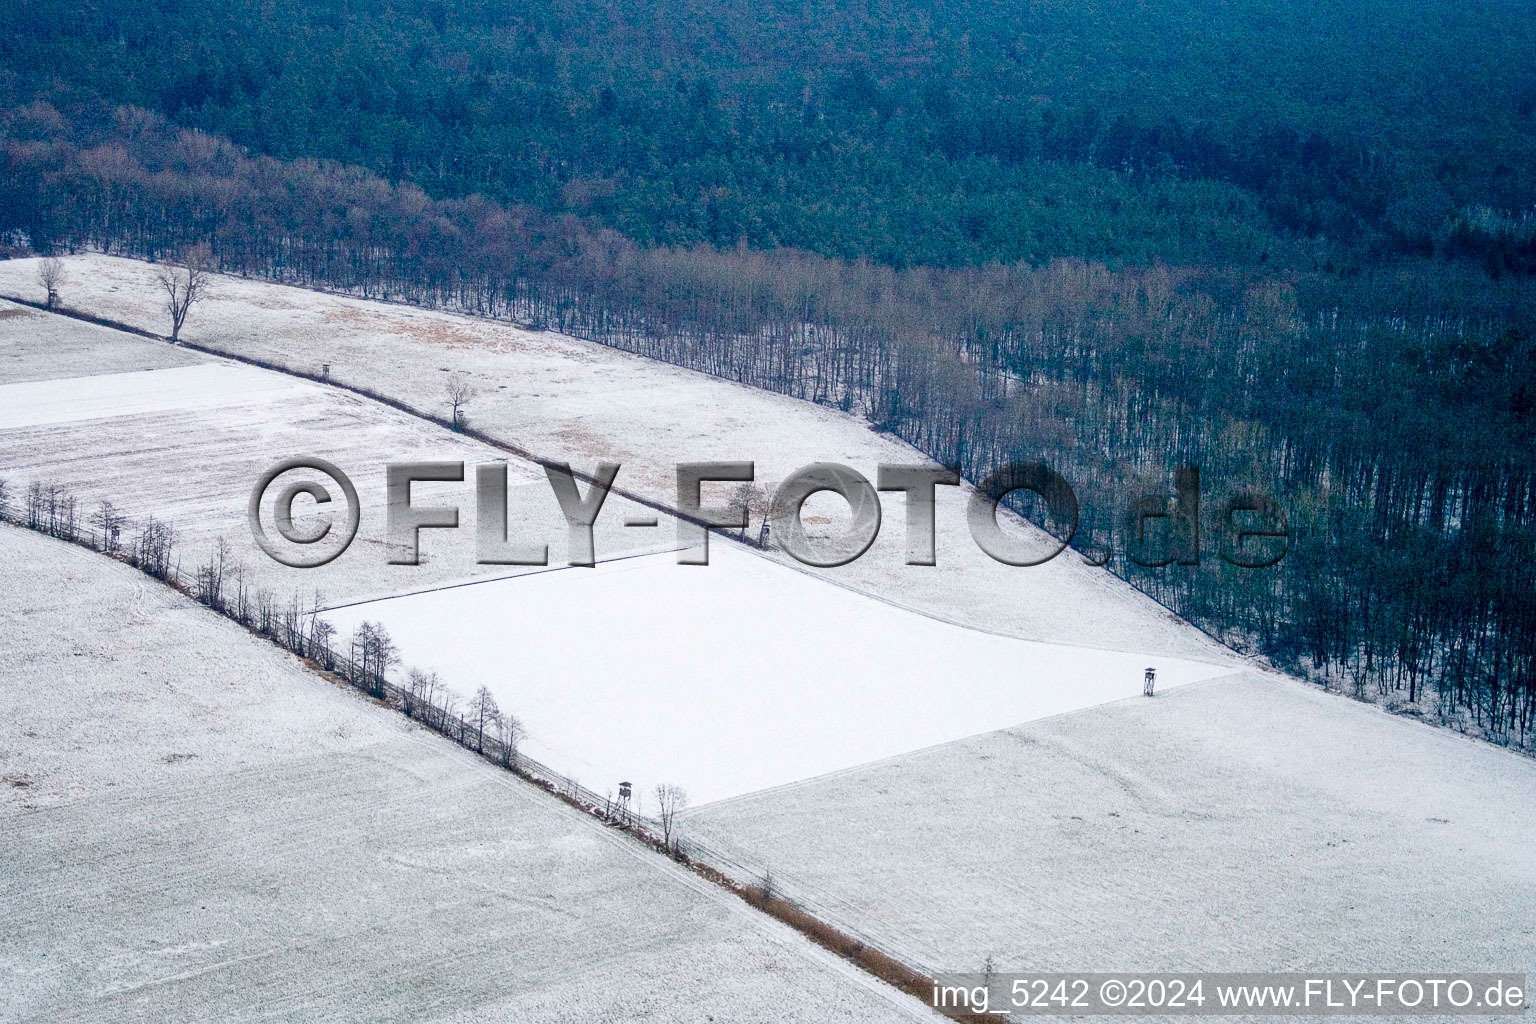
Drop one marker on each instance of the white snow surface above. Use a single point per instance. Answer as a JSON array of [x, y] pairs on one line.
[[1235, 823], [204, 386], [745, 674], [563, 398], [196, 828], [75, 349], [736, 676], [1252, 823]]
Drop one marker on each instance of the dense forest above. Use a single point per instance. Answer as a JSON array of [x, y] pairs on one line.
[[1295, 247], [911, 132]]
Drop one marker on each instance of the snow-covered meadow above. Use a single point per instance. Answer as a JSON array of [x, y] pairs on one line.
[[204, 386], [724, 679], [1248, 823], [187, 443], [74, 349], [567, 399], [833, 723], [740, 675], [196, 828]]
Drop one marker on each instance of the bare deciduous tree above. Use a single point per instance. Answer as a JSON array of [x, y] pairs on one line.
[[419, 686], [265, 611], [320, 634], [152, 550], [318, 648], [459, 391], [372, 653], [50, 274], [670, 800], [751, 500], [37, 505], [447, 711], [210, 575], [511, 738], [240, 608], [293, 634], [483, 712], [184, 282], [65, 515]]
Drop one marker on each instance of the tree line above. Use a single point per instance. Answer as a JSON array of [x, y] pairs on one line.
[[1390, 409]]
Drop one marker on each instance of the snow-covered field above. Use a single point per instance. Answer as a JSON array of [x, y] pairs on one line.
[[1242, 824], [568, 399], [1242, 821], [197, 829], [739, 675], [74, 349], [207, 385], [724, 679], [186, 444]]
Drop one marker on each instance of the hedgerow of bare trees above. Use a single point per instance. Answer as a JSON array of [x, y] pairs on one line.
[[52, 510], [220, 583]]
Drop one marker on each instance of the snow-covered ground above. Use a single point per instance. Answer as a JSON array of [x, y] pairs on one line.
[[198, 829], [568, 399], [207, 385], [724, 679], [74, 349], [1243, 821], [736, 676], [187, 444], [1241, 824]]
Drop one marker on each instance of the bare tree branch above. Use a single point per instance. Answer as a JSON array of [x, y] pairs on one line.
[[459, 391], [50, 274], [185, 283], [670, 800]]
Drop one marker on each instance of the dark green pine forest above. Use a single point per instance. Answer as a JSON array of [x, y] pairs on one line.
[[1293, 244], [911, 133]]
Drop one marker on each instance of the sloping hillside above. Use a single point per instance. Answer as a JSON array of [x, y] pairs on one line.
[[1250, 823], [1243, 821], [724, 680], [562, 398], [197, 828], [171, 433]]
